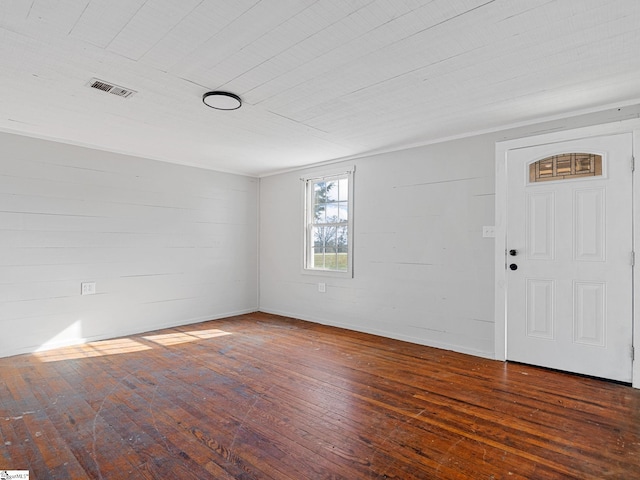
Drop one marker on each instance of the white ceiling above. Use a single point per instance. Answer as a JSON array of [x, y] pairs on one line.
[[320, 79]]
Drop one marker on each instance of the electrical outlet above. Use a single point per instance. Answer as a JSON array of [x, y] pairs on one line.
[[88, 288], [322, 287], [489, 232]]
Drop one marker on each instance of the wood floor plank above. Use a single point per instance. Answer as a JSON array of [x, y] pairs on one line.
[[260, 396], [309, 411]]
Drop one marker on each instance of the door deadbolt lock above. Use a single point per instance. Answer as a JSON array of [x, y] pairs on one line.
[[513, 253], [513, 266]]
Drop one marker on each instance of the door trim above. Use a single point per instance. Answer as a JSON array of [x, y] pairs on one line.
[[502, 150]]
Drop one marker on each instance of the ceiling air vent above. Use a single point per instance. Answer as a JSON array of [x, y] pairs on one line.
[[110, 88]]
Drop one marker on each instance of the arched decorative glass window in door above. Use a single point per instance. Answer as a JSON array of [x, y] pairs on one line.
[[566, 166]]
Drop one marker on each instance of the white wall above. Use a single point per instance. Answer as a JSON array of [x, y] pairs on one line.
[[166, 244], [422, 272]]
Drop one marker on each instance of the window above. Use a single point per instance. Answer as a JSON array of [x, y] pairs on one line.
[[565, 166], [329, 223]]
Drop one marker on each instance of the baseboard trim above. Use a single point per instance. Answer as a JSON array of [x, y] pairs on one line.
[[383, 333]]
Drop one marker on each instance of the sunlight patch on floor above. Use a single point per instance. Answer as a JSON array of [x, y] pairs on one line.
[[117, 346], [167, 339]]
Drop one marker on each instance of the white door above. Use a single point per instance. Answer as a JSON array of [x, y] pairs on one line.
[[569, 256]]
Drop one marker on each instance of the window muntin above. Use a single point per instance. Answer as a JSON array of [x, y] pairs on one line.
[[566, 166], [328, 223]]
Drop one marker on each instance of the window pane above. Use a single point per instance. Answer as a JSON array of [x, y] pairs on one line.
[[319, 214], [324, 236], [343, 214], [319, 190], [330, 236], [332, 212], [563, 165], [342, 260], [343, 195], [318, 257], [342, 239], [546, 168], [332, 191], [584, 164], [330, 259], [318, 237]]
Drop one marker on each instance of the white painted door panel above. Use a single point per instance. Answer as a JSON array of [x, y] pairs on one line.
[[569, 303]]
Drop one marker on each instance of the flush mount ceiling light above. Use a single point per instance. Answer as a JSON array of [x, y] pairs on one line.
[[222, 100]]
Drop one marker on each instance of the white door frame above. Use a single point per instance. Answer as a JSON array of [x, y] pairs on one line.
[[502, 149]]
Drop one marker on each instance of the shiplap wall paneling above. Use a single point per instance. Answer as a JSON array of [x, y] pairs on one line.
[[165, 244], [423, 271]]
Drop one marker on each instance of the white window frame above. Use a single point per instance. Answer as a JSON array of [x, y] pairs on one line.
[[307, 182]]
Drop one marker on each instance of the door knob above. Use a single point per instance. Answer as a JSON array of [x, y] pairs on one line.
[[513, 253], [513, 266]]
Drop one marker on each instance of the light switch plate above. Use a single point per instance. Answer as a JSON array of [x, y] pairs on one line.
[[488, 232], [322, 287], [88, 288]]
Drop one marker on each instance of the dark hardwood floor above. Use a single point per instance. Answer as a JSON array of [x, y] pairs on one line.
[[261, 396]]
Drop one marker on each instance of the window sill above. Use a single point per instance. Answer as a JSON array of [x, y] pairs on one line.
[[327, 273]]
